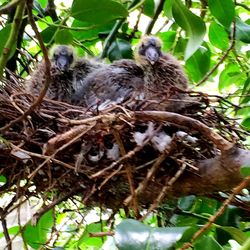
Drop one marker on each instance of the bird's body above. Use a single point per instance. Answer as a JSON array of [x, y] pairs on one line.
[[111, 84], [66, 70], [163, 75]]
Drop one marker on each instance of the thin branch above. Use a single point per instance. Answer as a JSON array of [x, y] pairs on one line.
[[222, 58], [213, 218], [5, 229], [110, 38], [15, 26], [243, 6], [155, 17], [47, 70], [9, 6]]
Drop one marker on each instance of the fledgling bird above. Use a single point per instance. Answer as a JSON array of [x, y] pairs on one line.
[[111, 84], [163, 74], [66, 70]]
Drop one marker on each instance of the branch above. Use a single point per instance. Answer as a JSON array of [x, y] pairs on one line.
[[243, 6], [47, 70], [110, 38], [13, 36], [5, 229], [9, 6], [155, 17], [222, 58], [188, 122], [213, 218]]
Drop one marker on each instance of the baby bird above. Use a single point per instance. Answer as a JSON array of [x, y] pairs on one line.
[[66, 70], [163, 73], [111, 84]]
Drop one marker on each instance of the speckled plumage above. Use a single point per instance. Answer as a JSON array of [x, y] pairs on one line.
[[66, 77], [163, 73], [111, 84]]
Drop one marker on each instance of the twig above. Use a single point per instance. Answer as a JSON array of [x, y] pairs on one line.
[[5, 229], [101, 234], [243, 6], [128, 168], [9, 6], [15, 26], [222, 58], [162, 194], [213, 218], [47, 71], [110, 38], [155, 17]]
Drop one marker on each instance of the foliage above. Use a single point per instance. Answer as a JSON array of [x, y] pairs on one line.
[[212, 39]]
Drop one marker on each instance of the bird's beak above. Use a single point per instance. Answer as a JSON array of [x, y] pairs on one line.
[[63, 63], [152, 55]]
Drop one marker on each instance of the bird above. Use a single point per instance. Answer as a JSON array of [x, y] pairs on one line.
[[111, 84], [67, 71], [164, 77]]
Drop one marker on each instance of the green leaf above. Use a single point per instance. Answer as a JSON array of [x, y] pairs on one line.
[[3, 180], [12, 230], [167, 8], [245, 170], [43, 3], [218, 36], [242, 31], [223, 11], [186, 202], [236, 233], [133, 235], [246, 92], [85, 240], [48, 34], [4, 34], [168, 39], [91, 33], [36, 236], [119, 49], [64, 36], [246, 123], [192, 24], [207, 243], [149, 7], [231, 75], [199, 63], [98, 11]]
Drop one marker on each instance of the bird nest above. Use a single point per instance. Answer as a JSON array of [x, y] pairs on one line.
[[107, 157]]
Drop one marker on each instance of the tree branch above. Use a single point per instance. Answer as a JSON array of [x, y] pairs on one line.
[[156, 15], [17, 21], [47, 70], [5, 9]]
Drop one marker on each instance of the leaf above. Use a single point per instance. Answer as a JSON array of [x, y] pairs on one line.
[[43, 3], [98, 11], [85, 240], [3, 180], [48, 34], [149, 7], [236, 233], [12, 230], [168, 39], [242, 31], [91, 33], [245, 92], [133, 235], [192, 24], [64, 36], [245, 170], [246, 123], [167, 8], [119, 49], [4, 34], [223, 11], [218, 36], [199, 63], [36, 236], [186, 202], [207, 243]]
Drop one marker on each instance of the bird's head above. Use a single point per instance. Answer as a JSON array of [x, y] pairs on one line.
[[63, 56], [149, 49]]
